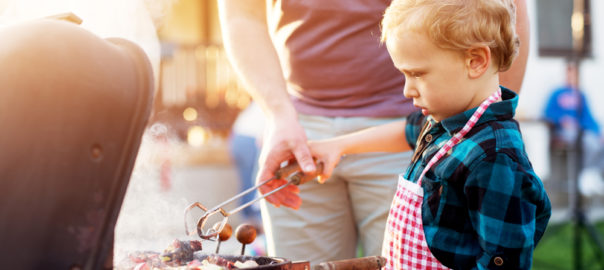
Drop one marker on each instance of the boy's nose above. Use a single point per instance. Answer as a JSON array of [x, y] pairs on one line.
[[409, 90]]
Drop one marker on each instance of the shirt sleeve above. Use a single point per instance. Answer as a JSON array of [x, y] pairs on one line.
[[505, 204], [587, 120], [552, 109]]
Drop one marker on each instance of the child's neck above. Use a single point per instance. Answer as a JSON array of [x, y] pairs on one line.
[[485, 86]]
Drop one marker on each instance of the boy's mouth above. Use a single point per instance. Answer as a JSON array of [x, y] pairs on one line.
[[424, 110]]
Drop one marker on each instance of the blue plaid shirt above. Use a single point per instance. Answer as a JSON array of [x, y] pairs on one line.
[[484, 207]]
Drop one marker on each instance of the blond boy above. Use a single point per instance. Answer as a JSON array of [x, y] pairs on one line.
[[470, 198]]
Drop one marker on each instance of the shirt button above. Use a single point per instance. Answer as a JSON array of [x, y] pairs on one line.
[[498, 261], [429, 138]]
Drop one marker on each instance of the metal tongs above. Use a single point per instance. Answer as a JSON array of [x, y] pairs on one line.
[[290, 172]]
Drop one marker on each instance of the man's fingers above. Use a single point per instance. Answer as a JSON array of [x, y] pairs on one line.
[[292, 189], [270, 186], [292, 201], [286, 196], [266, 172], [272, 200], [304, 158], [277, 197]]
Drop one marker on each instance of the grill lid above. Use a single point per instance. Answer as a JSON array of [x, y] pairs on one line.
[[73, 108]]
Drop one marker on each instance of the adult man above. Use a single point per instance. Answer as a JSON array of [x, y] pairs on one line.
[[317, 70], [574, 130]]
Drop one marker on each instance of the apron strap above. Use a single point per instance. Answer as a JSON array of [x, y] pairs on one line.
[[459, 135]]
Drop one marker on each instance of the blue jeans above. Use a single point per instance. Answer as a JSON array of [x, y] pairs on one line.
[[245, 152]]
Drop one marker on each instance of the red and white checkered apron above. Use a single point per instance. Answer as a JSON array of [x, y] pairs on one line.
[[405, 244]]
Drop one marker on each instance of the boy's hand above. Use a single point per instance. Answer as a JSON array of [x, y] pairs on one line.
[[327, 151]]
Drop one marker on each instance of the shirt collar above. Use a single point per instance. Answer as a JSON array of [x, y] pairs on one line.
[[502, 110]]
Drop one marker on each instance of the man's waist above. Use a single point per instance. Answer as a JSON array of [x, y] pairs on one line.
[[385, 108]]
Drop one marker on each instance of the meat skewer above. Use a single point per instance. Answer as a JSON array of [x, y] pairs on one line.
[[223, 235], [246, 234]]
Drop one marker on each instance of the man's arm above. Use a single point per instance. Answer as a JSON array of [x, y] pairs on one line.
[[248, 44], [253, 56], [513, 77]]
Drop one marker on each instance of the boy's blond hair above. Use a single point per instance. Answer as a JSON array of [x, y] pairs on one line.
[[458, 25]]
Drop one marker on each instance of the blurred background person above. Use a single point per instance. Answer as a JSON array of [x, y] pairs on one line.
[[568, 111], [574, 129]]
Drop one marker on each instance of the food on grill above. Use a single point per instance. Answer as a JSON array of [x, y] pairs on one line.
[[246, 264], [223, 235], [180, 255], [245, 233], [184, 255], [152, 261], [216, 262], [140, 260], [226, 232], [180, 252]]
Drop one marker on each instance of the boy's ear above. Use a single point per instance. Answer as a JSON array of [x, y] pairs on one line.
[[478, 61]]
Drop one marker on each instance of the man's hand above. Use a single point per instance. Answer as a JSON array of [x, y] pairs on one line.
[[285, 140]]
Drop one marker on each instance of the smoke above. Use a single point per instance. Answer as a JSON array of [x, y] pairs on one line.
[[152, 213], [151, 216]]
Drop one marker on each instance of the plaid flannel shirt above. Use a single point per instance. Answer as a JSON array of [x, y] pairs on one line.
[[484, 206]]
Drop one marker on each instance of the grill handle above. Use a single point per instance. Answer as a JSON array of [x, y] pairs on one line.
[[364, 263]]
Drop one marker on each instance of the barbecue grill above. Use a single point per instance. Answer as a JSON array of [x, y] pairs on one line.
[[73, 108]]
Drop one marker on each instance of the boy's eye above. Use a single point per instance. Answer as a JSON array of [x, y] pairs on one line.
[[415, 74]]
